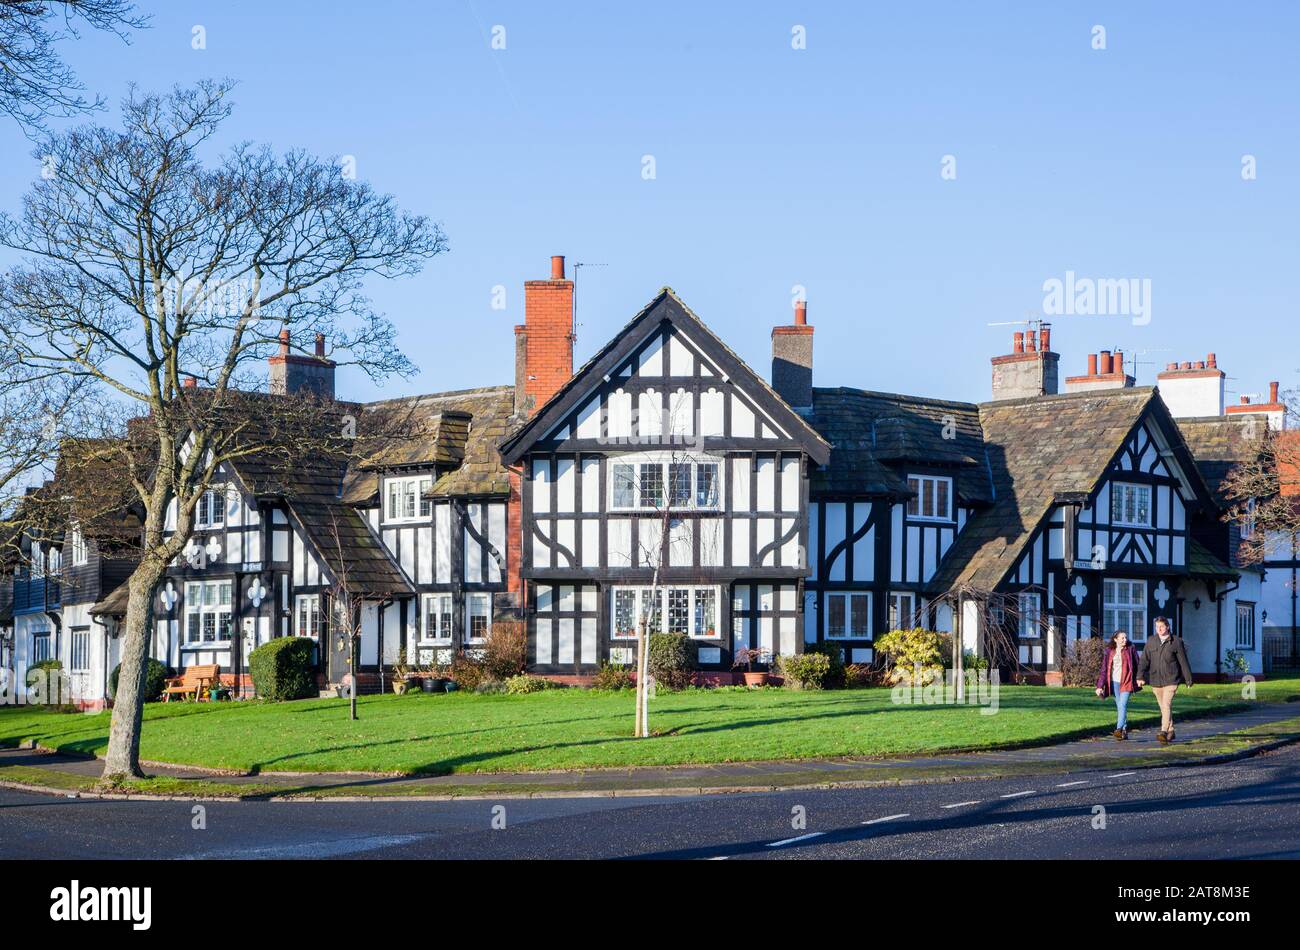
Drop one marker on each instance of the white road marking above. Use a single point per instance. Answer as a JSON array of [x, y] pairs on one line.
[[1121, 774], [960, 804], [316, 849], [876, 821], [1018, 794], [719, 857], [1068, 784], [811, 834]]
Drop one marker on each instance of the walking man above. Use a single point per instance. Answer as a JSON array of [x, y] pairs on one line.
[[1164, 664]]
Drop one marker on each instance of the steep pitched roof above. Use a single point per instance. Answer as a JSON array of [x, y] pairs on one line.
[[114, 604], [349, 546], [1201, 562], [1038, 448], [1217, 443], [872, 433], [665, 306]]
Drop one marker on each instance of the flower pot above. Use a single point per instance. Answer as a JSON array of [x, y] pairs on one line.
[[399, 687], [755, 679], [452, 686]]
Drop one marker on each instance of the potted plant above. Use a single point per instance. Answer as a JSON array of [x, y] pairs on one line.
[[436, 679], [747, 657], [218, 691], [400, 671]]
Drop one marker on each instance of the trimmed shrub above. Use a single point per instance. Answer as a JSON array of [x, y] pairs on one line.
[[490, 688], [672, 659], [806, 670], [505, 654], [905, 650], [1082, 662], [282, 669], [155, 679], [835, 653], [610, 677], [523, 683]]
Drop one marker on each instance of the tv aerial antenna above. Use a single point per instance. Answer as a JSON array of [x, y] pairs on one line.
[[576, 266]]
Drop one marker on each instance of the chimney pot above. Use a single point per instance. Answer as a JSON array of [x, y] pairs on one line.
[[1092, 364], [1045, 337], [1187, 364], [1119, 361], [1272, 392], [190, 382], [1212, 361], [1031, 341], [557, 267], [320, 344], [1107, 363], [801, 313], [1200, 364], [1245, 400], [284, 342], [1018, 342]]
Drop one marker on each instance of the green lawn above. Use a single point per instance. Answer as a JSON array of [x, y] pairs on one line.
[[568, 729]]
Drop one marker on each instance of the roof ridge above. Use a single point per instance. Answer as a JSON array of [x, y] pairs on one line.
[[1062, 397], [934, 400]]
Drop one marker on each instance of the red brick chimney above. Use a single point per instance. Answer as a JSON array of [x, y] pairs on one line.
[[1030, 369], [1105, 371], [292, 373], [544, 341]]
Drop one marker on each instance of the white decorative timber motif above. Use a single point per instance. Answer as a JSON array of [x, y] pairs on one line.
[[168, 597], [1162, 595], [194, 555], [1079, 590], [213, 549], [256, 593]]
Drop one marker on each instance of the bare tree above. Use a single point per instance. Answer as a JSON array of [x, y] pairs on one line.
[[148, 268], [1263, 488], [35, 83]]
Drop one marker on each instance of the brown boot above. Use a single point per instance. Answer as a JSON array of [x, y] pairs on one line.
[[1162, 736], [1119, 733], [1169, 736]]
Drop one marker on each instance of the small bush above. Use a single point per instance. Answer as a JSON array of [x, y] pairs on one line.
[[282, 669], [806, 670], [155, 680], [47, 684], [505, 654], [905, 650], [862, 675], [610, 677], [671, 658], [523, 683], [1236, 663], [490, 688], [1082, 662], [468, 671], [835, 653]]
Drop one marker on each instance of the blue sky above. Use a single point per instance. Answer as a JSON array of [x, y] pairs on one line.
[[778, 167]]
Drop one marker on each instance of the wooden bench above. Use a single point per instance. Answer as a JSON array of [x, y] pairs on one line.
[[195, 680]]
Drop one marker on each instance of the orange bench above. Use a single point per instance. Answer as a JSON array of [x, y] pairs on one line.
[[194, 681]]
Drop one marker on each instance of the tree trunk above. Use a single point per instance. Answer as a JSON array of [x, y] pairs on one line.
[[352, 669], [123, 758], [640, 678]]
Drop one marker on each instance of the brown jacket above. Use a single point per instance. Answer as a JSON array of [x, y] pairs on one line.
[[1164, 664]]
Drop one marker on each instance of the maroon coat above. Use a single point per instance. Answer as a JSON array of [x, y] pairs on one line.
[[1128, 681]]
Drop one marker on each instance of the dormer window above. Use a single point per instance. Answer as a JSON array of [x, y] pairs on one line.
[[406, 501], [1130, 505], [931, 497]]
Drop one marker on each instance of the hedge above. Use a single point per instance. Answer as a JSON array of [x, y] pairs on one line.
[[282, 669], [155, 679], [671, 658]]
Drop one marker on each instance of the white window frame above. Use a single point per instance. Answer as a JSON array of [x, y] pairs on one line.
[[78, 650], [313, 618], [925, 488], [894, 611], [41, 635], [407, 493], [54, 562], [196, 605], [36, 565], [1029, 605], [640, 462], [77, 545], [211, 504], [851, 630], [1248, 522], [1120, 492], [473, 600], [442, 618], [1118, 614], [1245, 625], [645, 604]]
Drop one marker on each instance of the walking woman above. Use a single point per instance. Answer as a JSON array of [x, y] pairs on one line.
[[1118, 678]]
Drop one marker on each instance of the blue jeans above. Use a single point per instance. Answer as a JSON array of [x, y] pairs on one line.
[[1121, 705]]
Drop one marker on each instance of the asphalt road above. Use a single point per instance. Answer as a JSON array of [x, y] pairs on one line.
[[1246, 809]]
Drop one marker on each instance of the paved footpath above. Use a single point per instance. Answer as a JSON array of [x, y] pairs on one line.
[[1198, 741]]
